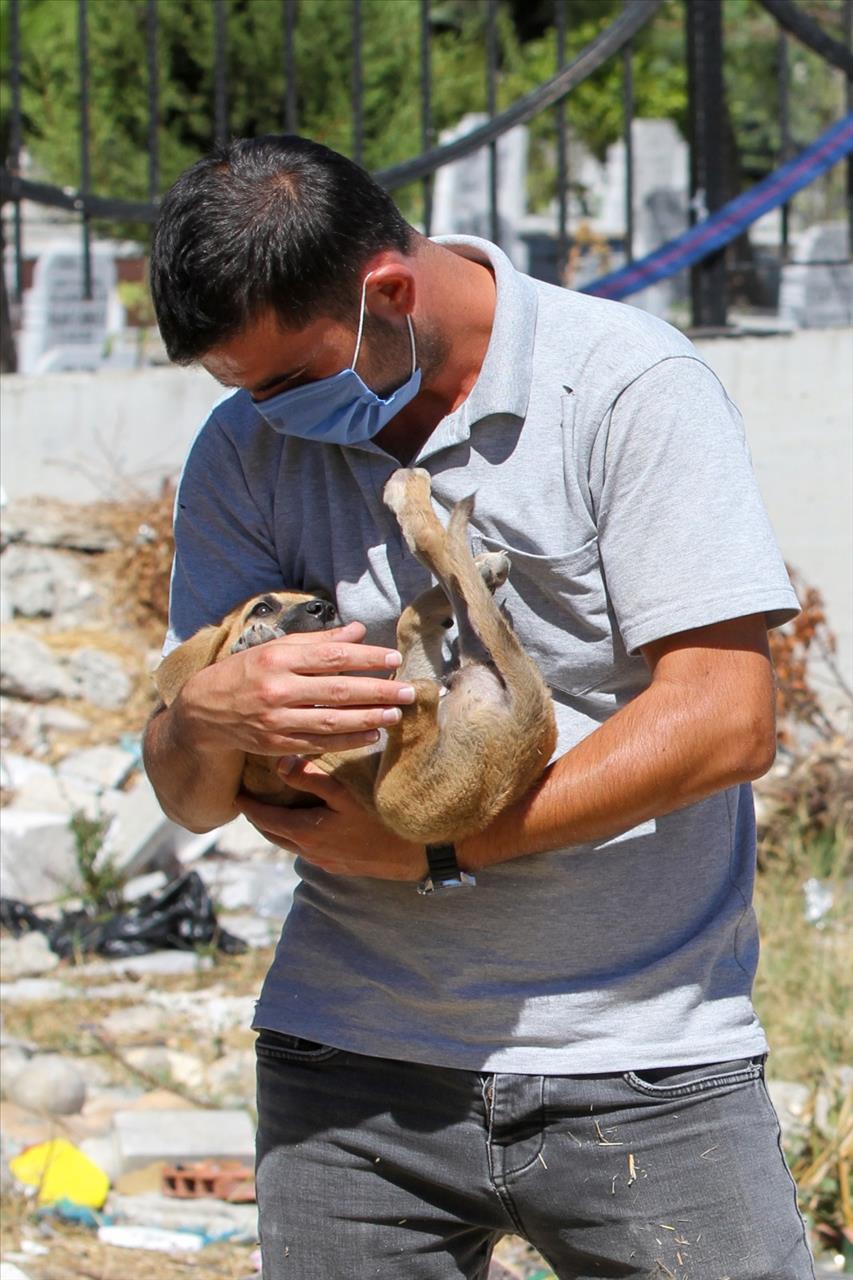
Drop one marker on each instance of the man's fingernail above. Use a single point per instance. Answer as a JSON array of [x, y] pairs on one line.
[[391, 715], [393, 658], [406, 693]]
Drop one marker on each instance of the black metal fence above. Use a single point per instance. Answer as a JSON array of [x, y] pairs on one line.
[[704, 55]]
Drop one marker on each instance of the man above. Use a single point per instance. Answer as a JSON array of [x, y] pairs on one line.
[[566, 1050]]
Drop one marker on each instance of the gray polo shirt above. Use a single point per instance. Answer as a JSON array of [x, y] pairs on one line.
[[607, 458]]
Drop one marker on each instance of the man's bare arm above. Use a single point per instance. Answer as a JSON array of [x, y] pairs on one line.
[[705, 722], [292, 695]]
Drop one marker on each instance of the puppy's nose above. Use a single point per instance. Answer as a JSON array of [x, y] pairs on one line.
[[323, 610]]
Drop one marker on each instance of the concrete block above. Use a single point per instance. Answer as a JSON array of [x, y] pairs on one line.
[[100, 678], [31, 671], [38, 855], [142, 1137], [26, 957], [100, 768], [34, 990]]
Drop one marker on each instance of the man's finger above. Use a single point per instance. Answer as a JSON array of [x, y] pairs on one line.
[[318, 656], [307, 777]]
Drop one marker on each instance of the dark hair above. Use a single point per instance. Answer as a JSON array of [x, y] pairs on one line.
[[277, 222]]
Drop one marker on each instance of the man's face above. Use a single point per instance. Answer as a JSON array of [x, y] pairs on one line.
[[266, 359]]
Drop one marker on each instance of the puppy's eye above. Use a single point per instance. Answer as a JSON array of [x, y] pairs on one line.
[[261, 610]]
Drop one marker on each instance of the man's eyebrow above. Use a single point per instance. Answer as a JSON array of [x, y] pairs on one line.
[[275, 380]]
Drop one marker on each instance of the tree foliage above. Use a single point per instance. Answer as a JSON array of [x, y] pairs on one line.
[[391, 64]]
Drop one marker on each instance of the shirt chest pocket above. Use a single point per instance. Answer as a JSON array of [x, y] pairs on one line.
[[558, 608]]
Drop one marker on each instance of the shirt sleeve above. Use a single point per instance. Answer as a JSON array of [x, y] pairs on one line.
[[224, 549], [684, 537]]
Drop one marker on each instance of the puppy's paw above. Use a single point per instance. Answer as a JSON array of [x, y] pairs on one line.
[[494, 568], [405, 483], [257, 633]]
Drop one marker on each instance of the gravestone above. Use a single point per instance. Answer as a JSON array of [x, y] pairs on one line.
[[61, 329], [660, 202], [817, 286], [461, 194]]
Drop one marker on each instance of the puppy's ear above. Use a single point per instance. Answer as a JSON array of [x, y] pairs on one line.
[[193, 655]]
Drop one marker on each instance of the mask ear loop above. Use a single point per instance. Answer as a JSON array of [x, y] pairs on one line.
[[360, 321], [360, 333]]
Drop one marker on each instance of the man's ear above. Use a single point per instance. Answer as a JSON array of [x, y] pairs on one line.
[[193, 655]]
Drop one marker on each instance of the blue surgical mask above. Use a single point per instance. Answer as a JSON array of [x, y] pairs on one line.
[[340, 409]]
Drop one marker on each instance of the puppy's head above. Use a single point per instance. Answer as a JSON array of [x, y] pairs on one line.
[[266, 617]]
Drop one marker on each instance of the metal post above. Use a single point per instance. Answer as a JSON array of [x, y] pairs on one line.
[[848, 91], [15, 139], [627, 121], [220, 73], [426, 113], [153, 94], [491, 108], [784, 129], [357, 86], [562, 152], [290, 115], [707, 182], [83, 56]]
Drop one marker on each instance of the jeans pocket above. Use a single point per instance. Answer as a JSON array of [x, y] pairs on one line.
[[278, 1046], [683, 1081]]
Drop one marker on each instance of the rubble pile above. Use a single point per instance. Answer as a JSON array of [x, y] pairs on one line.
[[126, 1074]]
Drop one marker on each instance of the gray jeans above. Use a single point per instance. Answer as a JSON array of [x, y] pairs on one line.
[[371, 1169]]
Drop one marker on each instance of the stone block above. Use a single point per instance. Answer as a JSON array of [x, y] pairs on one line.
[[38, 855], [31, 671], [26, 957], [55, 524], [34, 990], [185, 1135], [100, 768], [39, 582], [49, 1084], [100, 678]]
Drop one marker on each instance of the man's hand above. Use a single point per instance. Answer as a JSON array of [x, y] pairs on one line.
[[293, 695], [339, 836]]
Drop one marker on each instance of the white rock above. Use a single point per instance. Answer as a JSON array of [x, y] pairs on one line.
[[100, 678], [139, 1021], [253, 930], [207, 1011], [141, 836], [34, 991], [143, 886], [102, 1152], [155, 1239], [156, 963], [50, 793], [10, 1271], [28, 956], [38, 855], [12, 1060], [145, 1136], [50, 1084], [169, 1066], [793, 1104], [213, 1217], [43, 523], [16, 770], [39, 582], [239, 839], [231, 1078], [102, 768], [267, 887], [31, 671]]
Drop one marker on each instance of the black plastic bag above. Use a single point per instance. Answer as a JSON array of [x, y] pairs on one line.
[[180, 918]]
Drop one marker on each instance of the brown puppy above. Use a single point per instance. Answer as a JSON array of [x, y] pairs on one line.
[[476, 737]]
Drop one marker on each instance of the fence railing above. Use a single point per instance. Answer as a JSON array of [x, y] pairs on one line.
[[704, 57]]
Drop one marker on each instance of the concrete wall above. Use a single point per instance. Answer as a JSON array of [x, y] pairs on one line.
[[82, 436]]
